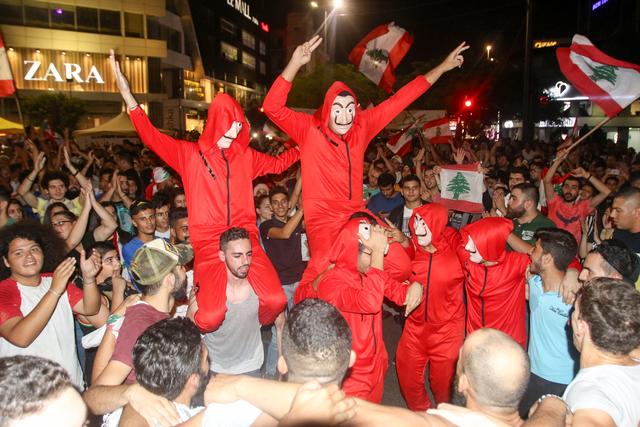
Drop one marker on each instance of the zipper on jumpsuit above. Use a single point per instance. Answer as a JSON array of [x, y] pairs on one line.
[[484, 285], [226, 161], [426, 290], [373, 325]]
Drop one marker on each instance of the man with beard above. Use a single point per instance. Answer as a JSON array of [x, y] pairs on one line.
[[333, 143], [566, 211], [434, 332], [217, 173], [553, 359], [236, 346], [182, 377], [523, 211], [157, 267]]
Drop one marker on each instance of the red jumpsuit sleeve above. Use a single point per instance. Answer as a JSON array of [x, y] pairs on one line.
[[264, 164], [293, 123], [170, 150], [395, 291], [378, 117], [351, 299]]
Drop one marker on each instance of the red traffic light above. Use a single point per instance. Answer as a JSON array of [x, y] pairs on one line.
[[468, 103]]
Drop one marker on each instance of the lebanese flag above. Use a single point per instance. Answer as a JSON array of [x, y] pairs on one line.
[[401, 143], [609, 82], [437, 131], [7, 87], [462, 187], [379, 53]]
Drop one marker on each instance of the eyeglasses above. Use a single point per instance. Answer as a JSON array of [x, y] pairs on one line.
[[59, 223]]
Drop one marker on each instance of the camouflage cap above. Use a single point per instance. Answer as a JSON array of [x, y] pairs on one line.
[[156, 259]]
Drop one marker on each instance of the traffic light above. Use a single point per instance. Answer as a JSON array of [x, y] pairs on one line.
[[468, 103]]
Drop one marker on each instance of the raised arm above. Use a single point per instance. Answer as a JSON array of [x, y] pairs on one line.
[[293, 123], [39, 162], [108, 224], [82, 180], [80, 227], [288, 229], [603, 190], [548, 178], [378, 117], [171, 151]]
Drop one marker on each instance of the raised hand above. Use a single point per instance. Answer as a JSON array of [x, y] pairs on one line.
[[396, 234], [62, 274], [455, 58], [318, 405], [580, 173], [122, 82], [458, 156], [39, 162], [90, 266], [302, 55]]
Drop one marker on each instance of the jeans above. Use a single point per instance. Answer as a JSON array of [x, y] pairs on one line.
[[272, 351]]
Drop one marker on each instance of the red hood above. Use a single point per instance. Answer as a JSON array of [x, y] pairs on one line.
[[323, 114], [223, 111], [490, 236], [436, 216], [344, 252]]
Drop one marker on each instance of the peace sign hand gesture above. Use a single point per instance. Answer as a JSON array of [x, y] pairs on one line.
[[302, 55]]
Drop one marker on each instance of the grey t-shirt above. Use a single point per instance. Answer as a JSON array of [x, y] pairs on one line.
[[236, 346]]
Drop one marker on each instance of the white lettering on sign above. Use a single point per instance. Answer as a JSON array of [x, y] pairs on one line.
[[244, 9], [71, 72]]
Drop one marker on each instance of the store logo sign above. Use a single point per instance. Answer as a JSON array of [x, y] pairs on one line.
[[244, 8], [36, 72]]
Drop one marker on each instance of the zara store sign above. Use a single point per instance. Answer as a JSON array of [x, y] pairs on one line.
[[37, 71]]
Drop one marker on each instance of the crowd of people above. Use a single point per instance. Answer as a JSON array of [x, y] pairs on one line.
[[174, 282]]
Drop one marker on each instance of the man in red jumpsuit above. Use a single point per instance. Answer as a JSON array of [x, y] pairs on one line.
[[357, 286], [496, 278], [434, 332], [217, 173], [332, 145]]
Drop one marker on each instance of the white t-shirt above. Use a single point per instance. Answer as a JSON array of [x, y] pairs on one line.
[[163, 234], [406, 216], [237, 414], [613, 389]]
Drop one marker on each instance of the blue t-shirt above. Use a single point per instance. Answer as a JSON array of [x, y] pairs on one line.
[[379, 203], [129, 250], [553, 356]]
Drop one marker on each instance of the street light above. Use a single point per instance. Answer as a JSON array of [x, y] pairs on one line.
[[314, 4], [489, 47], [337, 4]]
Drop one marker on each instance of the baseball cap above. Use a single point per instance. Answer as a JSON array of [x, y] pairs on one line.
[[157, 258]]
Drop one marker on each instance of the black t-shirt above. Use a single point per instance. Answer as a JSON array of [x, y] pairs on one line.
[[285, 254], [632, 240]]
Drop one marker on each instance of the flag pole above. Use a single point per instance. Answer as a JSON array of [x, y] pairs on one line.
[[588, 134], [19, 109]]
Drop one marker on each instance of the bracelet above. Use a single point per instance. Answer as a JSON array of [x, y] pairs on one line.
[[54, 292], [77, 172], [88, 283], [589, 177], [544, 396]]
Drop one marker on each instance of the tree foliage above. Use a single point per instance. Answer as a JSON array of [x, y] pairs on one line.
[[60, 110]]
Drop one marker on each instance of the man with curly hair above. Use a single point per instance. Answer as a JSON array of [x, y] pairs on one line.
[[37, 306], [37, 391]]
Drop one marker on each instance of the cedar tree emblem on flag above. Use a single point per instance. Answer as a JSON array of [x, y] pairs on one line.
[[610, 83], [458, 185], [379, 53]]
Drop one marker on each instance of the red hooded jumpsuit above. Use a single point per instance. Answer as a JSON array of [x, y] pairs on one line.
[[219, 192], [495, 294], [434, 332], [359, 298], [332, 165]]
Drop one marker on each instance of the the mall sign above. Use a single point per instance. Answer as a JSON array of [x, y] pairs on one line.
[[36, 71]]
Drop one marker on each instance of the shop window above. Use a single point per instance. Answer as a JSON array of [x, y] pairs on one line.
[[174, 39], [154, 70], [228, 27], [36, 16], [133, 25], [110, 22], [248, 40], [11, 12], [263, 67], [228, 51], [263, 48], [249, 60], [87, 19]]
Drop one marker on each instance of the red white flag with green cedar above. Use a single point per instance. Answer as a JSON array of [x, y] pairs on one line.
[[7, 87], [462, 188], [401, 142], [610, 83], [379, 53]]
